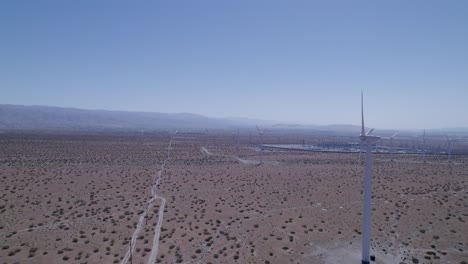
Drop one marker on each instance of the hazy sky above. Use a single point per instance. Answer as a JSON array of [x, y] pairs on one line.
[[294, 61]]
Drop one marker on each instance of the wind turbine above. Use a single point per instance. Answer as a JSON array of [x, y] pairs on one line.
[[391, 144], [237, 145], [261, 144], [368, 140], [424, 145], [449, 148]]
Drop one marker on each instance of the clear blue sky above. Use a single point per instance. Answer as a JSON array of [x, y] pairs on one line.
[[293, 61]]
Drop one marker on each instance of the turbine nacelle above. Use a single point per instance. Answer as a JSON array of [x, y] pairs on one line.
[[369, 138]]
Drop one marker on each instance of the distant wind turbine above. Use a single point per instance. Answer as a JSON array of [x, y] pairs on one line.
[[237, 143], [391, 145], [449, 148], [424, 145], [368, 140], [260, 132]]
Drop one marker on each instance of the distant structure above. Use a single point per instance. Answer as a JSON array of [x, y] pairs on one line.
[[260, 132], [449, 148], [237, 143], [392, 151], [368, 140], [424, 145]]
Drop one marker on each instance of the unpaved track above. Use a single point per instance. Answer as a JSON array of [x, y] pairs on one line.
[[141, 221], [243, 161], [157, 233], [137, 231], [206, 151], [157, 230]]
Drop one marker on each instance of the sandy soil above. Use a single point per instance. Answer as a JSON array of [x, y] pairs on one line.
[[79, 199]]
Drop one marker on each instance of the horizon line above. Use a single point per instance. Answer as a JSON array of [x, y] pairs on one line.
[[277, 122]]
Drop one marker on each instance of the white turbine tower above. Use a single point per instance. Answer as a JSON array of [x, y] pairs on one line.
[[362, 139], [368, 140], [260, 132]]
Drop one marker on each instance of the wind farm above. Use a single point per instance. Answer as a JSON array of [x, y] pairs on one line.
[[234, 132], [200, 196]]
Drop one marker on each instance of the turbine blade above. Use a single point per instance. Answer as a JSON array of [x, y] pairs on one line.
[[370, 131]]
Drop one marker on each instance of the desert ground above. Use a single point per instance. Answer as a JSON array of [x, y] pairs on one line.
[[204, 198]]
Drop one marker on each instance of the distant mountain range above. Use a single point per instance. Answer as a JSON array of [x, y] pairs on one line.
[[59, 118], [19, 117]]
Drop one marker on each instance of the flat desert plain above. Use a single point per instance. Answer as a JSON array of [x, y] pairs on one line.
[[191, 198]]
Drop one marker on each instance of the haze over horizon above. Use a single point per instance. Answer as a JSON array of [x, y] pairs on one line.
[[298, 62]]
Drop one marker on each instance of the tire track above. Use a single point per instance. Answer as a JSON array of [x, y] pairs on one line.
[[157, 230], [204, 150], [149, 205]]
